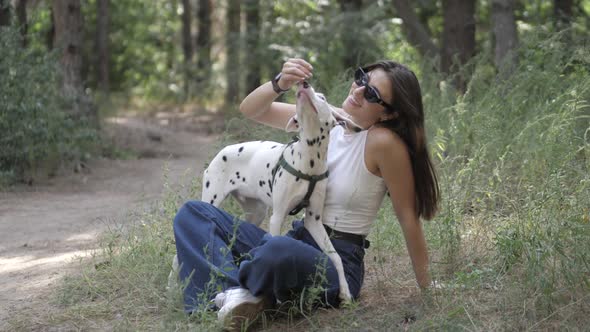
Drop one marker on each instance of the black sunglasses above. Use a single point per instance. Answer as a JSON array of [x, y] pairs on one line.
[[371, 93]]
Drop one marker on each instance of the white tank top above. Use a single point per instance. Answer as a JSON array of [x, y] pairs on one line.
[[354, 194]]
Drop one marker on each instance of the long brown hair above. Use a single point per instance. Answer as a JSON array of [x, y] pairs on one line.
[[409, 125]]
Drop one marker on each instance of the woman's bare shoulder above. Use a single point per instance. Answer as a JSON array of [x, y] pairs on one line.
[[380, 139], [385, 150]]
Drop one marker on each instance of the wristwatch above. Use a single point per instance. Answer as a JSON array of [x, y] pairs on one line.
[[275, 84]]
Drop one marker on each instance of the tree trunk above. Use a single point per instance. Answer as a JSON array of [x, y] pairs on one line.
[[253, 60], [505, 36], [5, 14], [350, 32], [187, 44], [50, 33], [563, 12], [68, 39], [273, 58], [414, 30], [458, 39], [203, 43], [21, 14], [102, 45], [232, 66]]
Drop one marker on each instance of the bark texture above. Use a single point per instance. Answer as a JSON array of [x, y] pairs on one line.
[[67, 18], [203, 43], [5, 13], [350, 31], [252, 9], [187, 44], [505, 35], [21, 15], [50, 33], [458, 39], [102, 45], [413, 28], [232, 66], [563, 12]]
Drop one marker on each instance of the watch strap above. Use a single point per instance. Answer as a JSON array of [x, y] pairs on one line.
[[275, 84]]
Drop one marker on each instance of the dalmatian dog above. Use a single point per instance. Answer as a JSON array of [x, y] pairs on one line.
[[286, 177]]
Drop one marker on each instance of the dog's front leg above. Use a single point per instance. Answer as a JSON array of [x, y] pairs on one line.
[[313, 224], [276, 221], [284, 198]]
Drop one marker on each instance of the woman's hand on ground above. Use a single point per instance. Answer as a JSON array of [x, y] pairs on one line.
[[294, 71]]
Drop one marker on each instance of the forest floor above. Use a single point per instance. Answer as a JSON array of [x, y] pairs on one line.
[[46, 226]]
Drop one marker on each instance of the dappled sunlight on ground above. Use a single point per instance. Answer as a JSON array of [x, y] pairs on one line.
[[47, 227], [31, 264], [27, 261]]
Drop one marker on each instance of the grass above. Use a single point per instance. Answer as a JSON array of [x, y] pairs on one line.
[[509, 249]]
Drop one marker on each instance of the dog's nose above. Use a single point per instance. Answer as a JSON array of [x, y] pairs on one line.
[[305, 85]]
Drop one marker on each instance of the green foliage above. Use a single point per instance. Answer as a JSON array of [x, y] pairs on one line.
[[509, 247], [147, 60], [314, 31], [514, 164], [144, 45], [36, 134]]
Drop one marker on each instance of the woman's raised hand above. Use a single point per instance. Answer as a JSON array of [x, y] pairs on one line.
[[294, 71]]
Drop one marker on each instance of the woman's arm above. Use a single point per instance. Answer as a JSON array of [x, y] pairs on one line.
[[260, 106], [388, 157], [416, 244]]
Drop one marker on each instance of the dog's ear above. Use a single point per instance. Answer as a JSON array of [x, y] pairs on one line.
[[292, 125]]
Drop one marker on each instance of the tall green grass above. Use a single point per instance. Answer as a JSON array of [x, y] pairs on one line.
[[514, 160], [509, 249]]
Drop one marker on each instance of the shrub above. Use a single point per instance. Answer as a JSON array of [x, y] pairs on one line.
[[35, 133]]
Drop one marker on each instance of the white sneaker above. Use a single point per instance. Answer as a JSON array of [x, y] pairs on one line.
[[239, 308], [219, 299]]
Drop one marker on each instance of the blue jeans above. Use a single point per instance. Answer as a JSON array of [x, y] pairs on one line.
[[217, 251]]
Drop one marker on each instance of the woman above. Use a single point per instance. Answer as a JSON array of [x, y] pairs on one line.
[[248, 269]]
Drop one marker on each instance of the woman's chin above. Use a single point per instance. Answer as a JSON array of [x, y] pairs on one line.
[[348, 107]]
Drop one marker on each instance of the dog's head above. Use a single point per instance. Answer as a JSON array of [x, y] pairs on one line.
[[314, 112]]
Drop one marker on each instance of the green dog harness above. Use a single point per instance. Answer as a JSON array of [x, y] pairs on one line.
[[312, 179]]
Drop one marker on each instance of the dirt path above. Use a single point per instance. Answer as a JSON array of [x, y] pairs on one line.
[[43, 227]]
